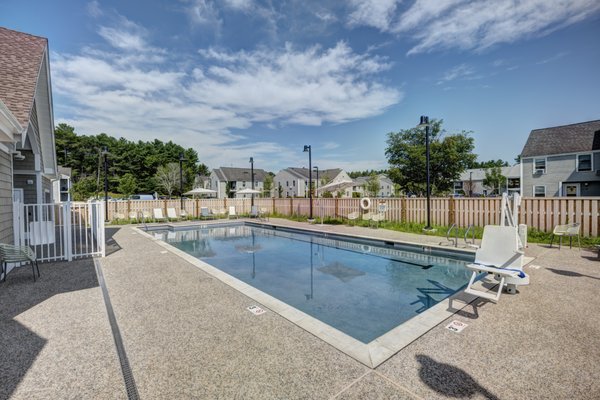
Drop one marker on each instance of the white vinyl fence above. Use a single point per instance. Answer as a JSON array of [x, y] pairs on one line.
[[60, 231]]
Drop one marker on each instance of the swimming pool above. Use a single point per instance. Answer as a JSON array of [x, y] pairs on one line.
[[363, 288]]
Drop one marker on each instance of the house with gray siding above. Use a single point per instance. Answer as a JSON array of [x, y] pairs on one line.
[[470, 182], [562, 161], [227, 180], [27, 149]]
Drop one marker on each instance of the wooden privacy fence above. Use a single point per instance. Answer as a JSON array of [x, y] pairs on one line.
[[540, 213]]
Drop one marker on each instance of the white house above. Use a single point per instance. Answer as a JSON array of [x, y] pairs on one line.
[[293, 182], [61, 187], [227, 180]]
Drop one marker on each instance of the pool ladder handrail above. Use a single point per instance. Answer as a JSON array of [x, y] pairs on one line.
[[471, 243], [455, 239], [143, 220]]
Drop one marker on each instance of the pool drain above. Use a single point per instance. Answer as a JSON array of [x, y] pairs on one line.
[[130, 387]]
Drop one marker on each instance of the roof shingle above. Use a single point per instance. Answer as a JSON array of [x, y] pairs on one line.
[[21, 55], [574, 138]]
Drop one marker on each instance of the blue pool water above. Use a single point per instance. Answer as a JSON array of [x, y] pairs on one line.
[[359, 288]]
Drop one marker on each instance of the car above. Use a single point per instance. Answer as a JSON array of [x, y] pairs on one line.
[[141, 197]]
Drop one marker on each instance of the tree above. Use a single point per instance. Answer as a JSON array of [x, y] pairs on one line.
[[450, 155], [494, 179], [489, 164], [84, 188], [372, 185], [127, 185], [268, 185], [167, 177], [279, 191]]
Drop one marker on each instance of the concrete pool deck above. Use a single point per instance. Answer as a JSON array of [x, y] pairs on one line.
[[188, 335]]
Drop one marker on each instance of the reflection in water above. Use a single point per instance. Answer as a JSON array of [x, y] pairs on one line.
[[341, 271]]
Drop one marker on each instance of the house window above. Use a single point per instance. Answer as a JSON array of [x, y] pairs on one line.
[[584, 162], [539, 166], [458, 186], [287, 183], [539, 191], [294, 183]]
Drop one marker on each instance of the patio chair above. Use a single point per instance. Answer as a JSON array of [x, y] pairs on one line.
[[499, 255], [367, 217], [254, 212], [133, 215], [158, 215], [17, 254], [353, 216], [183, 214], [569, 230], [119, 217], [264, 214], [146, 215], [172, 214], [232, 213], [377, 218]]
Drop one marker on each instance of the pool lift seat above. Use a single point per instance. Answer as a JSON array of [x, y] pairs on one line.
[[501, 256]]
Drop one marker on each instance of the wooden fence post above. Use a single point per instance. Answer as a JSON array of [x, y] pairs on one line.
[[291, 206], [451, 211], [403, 206], [197, 213], [336, 207], [273, 208]]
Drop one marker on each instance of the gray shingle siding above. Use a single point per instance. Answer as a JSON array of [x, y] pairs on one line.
[[560, 168], [6, 214]]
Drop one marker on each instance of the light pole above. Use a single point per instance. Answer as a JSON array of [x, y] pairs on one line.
[[307, 148], [105, 154], [317, 186], [425, 123], [252, 178], [470, 183], [181, 160]]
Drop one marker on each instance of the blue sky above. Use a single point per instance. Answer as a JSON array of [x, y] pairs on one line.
[[241, 78]]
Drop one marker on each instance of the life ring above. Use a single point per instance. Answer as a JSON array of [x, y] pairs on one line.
[[365, 203]]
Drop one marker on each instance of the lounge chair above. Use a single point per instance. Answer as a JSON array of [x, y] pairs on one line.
[[367, 217], [146, 215], [377, 218], [254, 212], [499, 255], [158, 215], [569, 230], [232, 213], [133, 215], [172, 214], [205, 213], [17, 254], [183, 214], [264, 214]]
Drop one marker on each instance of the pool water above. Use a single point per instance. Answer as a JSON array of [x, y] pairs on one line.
[[359, 288]]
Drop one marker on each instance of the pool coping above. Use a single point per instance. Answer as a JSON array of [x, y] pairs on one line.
[[371, 354]]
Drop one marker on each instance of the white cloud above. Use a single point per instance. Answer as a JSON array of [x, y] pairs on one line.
[[462, 71], [374, 13], [477, 25], [330, 145], [205, 104], [553, 58], [243, 5], [93, 9], [205, 13]]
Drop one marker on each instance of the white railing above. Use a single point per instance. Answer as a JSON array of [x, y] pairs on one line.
[[61, 231]]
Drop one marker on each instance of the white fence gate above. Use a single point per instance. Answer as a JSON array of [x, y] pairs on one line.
[[61, 231]]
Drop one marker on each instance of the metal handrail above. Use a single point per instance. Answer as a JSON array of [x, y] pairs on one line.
[[143, 220], [455, 239], [472, 236]]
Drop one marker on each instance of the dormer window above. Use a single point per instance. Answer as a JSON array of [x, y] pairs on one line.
[[539, 166], [584, 162]]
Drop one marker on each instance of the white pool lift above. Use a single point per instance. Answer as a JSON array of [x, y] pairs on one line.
[[501, 253]]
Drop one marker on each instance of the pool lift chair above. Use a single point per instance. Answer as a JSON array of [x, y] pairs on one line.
[[500, 256]]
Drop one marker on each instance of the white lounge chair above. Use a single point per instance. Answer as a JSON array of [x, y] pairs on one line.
[[158, 214], [205, 213], [133, 216], [232, 213], [172, 214], [183, 214], [499, 255]]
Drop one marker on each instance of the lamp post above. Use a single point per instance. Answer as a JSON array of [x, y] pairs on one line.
[[181, 160], [252, 178], [307, 148], [425, 123], [470, 183], [317, 185], [105, 154]]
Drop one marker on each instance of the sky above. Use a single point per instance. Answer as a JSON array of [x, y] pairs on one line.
[[236, 79]]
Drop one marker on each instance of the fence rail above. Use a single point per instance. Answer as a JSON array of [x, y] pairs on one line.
[[540, 213]]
